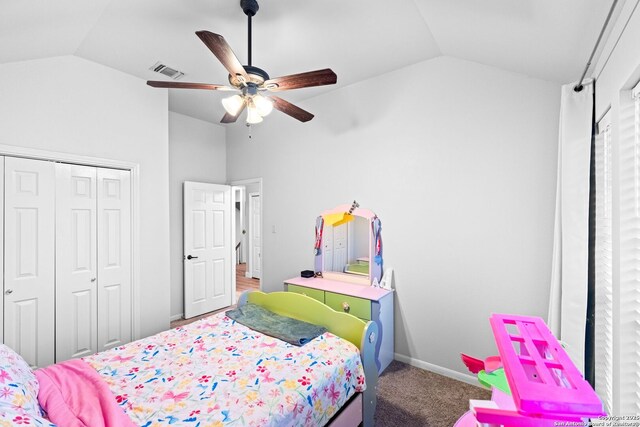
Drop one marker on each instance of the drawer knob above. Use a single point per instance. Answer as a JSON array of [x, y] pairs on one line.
[[346, 307]]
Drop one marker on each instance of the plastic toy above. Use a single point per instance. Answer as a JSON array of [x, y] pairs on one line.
[[544, 386]]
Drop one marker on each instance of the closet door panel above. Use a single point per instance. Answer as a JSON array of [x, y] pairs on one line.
[[327, 243], [114, 258], [29, 278], [76, 262], [340, 247]]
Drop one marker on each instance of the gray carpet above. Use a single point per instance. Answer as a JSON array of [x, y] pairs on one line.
[[409, 397]]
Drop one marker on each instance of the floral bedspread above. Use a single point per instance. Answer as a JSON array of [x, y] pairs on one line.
[[216, 372]]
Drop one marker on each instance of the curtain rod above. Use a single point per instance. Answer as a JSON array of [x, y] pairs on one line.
[[578, 87]]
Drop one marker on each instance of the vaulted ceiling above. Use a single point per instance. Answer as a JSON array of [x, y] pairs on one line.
[[358, 39]]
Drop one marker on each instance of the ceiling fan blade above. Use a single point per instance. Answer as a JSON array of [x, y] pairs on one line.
[[297, 81], [228, 118], [221, 49], [290, 109], [185, 85]]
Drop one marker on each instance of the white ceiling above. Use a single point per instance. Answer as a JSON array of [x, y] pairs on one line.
[[358, 39]]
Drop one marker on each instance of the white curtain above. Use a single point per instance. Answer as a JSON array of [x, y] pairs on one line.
[[568, 299]]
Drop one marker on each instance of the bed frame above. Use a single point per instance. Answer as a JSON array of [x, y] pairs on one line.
[[360, 333]]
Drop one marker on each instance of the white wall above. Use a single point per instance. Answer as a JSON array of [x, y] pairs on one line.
[[196, 153], [459, 161], [71, 105]]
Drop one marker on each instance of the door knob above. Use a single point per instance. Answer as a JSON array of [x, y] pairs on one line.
[[191, 257], [8, 292], [93, 279]]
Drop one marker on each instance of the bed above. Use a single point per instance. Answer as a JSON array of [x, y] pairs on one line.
[[217, 372]]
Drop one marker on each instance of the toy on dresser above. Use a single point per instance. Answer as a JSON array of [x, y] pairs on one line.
[[534, 381]]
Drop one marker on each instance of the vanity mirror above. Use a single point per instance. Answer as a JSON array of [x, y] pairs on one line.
[[348, 253], [348, 245]]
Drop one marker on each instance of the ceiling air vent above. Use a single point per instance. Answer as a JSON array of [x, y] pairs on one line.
[[159, 67]]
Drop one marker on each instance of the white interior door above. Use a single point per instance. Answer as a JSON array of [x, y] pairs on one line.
[[76, 262], [255, 235], [207, 248], [114, 258], [29, 278]]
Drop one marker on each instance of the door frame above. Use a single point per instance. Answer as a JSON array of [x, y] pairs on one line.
[[234, 259], [249, 273], [134, 168], [245, 182], [235, 189]]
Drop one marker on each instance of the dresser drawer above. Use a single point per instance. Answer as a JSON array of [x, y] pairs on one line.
[[359, 307], [313, 293]]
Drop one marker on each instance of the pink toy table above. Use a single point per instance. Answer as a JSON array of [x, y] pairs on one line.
[[545, 385]]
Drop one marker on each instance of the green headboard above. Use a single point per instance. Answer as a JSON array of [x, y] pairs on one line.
[[305, 308]]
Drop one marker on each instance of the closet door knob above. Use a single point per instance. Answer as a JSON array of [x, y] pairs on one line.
[[93, 279], [8, 292], [191, 257]]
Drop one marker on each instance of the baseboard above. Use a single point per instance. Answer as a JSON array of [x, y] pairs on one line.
[[176, 317], [450, 373]]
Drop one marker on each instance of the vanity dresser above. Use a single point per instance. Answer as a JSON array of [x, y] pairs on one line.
[[348, 253]]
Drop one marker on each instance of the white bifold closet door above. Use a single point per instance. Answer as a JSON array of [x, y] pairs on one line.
[[114, 258], [93, 262], [67, 259], [29, 253], [76, 262]]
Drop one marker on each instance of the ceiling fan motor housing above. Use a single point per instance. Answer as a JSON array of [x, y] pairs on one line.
[[256, 75], [249, 7]]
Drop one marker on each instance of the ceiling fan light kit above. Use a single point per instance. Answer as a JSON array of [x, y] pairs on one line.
[[263, 105], [233, 104], [252, 85]]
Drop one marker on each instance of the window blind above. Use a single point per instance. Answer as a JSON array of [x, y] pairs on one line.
[[628, 324], [603, 334]]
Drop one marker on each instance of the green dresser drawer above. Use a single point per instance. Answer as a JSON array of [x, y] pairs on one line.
[[359, 307], [313, 293]]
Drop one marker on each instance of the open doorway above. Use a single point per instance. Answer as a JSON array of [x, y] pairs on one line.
[[247, 239]]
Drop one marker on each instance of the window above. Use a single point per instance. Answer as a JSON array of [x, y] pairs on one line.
[[604, 266], [627, 323]]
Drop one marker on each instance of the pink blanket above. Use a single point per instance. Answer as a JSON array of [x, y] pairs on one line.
[[74, 395]]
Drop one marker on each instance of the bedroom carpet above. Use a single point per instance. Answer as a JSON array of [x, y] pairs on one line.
[[413, 397]]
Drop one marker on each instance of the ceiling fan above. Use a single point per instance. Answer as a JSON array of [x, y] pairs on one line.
[[253, 84]]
